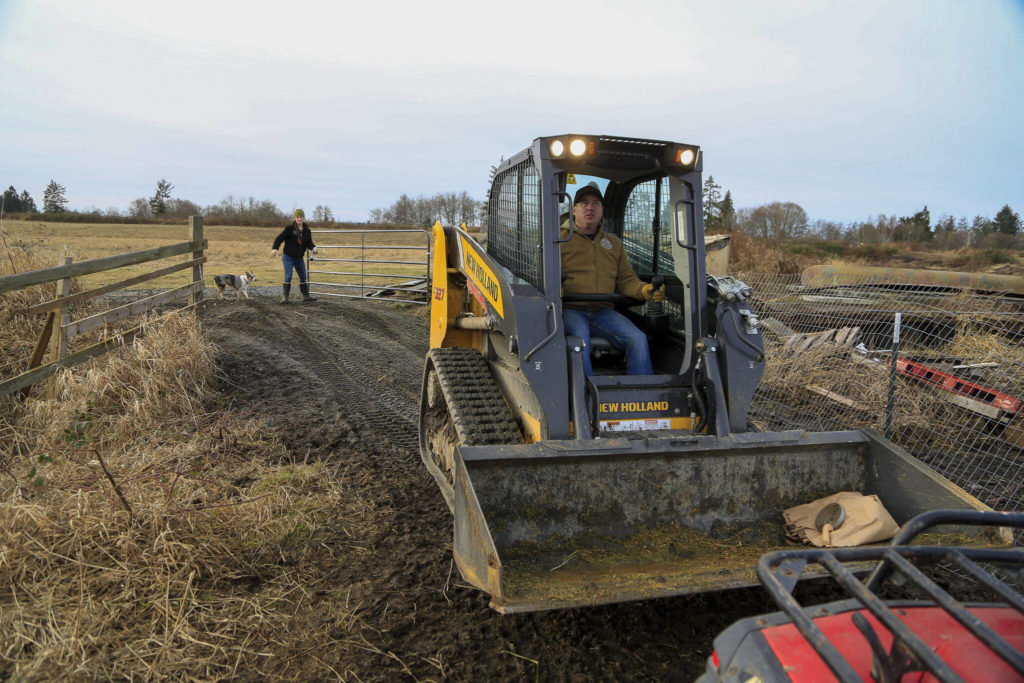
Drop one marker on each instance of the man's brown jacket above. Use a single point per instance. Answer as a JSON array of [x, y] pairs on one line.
[[597, 266]]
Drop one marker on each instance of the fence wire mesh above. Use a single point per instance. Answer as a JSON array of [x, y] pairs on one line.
[[954, 398]]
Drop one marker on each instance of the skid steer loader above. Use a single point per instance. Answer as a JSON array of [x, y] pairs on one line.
[[570, 490]]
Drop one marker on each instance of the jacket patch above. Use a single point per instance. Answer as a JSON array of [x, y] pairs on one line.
[[606, 243]]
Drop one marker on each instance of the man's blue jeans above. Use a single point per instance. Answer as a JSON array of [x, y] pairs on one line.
[[617, 329], [296, 263]]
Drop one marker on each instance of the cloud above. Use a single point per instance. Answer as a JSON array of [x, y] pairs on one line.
[[819, 103]]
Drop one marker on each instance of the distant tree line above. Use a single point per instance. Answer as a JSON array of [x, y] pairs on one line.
[[448, 207], [159, 207], [773, 221], [787, 220], [54, 200]]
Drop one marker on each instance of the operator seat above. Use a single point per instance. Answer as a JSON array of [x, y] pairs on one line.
[[605, 356], [602, 348]]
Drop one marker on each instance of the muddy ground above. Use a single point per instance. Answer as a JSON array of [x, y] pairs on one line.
[[339, 380]]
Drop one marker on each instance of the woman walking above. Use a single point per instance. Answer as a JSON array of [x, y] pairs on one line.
[[296, 238]]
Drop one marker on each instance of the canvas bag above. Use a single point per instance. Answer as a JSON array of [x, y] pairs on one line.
[[866, 521]]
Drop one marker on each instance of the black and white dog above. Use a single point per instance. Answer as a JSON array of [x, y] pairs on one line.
[[240, 283]]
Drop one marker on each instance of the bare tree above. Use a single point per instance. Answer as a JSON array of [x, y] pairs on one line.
[[245, 211], [448, 207], [139, 208], [323, 215], [182, 208], [775, 221], [469, 209]]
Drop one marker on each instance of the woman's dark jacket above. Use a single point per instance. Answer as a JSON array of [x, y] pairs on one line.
[[291, 240]]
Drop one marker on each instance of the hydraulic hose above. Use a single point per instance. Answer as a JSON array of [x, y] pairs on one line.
[[701, 408], [739, 333]]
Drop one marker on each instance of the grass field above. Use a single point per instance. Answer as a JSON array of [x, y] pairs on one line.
[[232, 249], [236, 249]]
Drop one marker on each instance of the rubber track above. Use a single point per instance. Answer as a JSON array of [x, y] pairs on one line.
[[475, 403]]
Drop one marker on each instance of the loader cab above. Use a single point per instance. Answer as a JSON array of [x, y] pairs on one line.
[[652, 202]]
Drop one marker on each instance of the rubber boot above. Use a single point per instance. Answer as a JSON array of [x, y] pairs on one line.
[[304, 288], [286, 288]]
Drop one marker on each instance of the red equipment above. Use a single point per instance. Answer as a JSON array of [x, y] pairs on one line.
[[866, 638]]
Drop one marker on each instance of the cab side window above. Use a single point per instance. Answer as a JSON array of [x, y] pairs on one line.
[[647, 227]]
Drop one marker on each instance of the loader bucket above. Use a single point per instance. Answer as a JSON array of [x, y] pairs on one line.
[[570, 523]]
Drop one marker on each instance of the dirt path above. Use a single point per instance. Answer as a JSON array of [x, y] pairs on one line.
[[339, 381]]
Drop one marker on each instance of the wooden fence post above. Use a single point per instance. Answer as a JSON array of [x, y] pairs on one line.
[[59, 340], [195, 225]]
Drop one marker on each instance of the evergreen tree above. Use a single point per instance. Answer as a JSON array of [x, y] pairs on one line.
[[727, 213], [712, 192], [28, 205], [915, 228], [945, 225], [159, 200], [54, 198], [485, 205], [1007, 221], [922, 221], [11, 201]]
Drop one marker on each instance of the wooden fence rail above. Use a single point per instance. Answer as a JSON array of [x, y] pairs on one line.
[[58, 328], [38, 277], [113, 287]]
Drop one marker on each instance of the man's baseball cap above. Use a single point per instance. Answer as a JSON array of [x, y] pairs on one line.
[[589, 188]]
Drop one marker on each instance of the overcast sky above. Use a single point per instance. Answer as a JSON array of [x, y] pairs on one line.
[[848, 108]]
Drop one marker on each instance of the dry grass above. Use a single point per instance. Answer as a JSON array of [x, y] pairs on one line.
[[145, 533], [825, 388], [788, 377], [752, 255], [19, 332]]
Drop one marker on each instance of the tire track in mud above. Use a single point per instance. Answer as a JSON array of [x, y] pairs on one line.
[[371, 373], [343, 380]]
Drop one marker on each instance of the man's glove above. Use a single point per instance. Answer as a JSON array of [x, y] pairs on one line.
[[315, 252], [649, 293]]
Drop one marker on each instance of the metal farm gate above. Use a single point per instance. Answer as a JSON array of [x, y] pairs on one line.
[[381, 264]]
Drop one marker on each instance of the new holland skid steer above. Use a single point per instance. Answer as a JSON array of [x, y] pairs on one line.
[[569, 490]]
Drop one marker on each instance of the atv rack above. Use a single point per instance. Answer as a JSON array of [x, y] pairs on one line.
[[780, 571]]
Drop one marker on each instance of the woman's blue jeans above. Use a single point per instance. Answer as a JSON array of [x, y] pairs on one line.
[[296, 263], [617, 329]]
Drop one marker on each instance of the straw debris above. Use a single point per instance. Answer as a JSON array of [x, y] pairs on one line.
[[146, 533]]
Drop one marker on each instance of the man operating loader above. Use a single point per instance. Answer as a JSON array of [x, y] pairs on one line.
[[594, 262]]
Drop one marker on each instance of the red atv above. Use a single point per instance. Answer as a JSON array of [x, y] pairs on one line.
[[865, 637]]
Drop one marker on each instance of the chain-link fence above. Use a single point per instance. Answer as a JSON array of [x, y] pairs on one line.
[[954, 398]]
